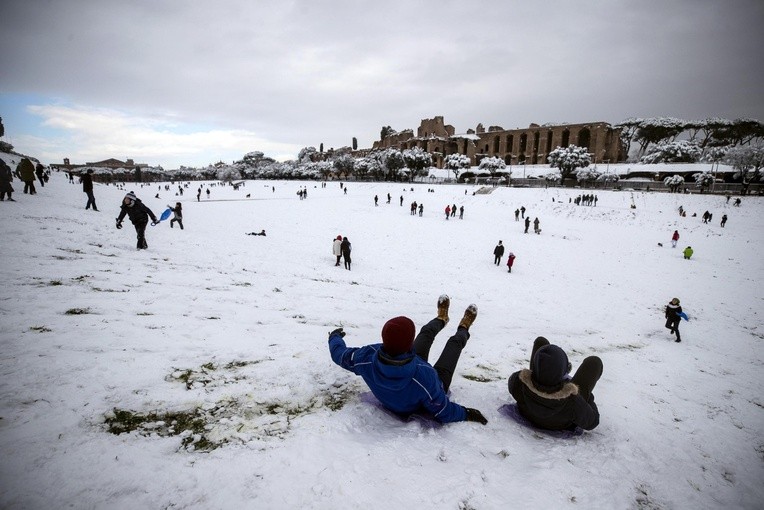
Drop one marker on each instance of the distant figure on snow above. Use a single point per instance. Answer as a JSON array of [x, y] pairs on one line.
[[345, 248], [688, 252], [527, 224], [674, 238], [546, 394], [510, 261], [87, 187], [498, 253], [337, 249], [536, 228], [397, 370], [261, 233], [448, 211], [673, 315], [724, 220], [139, 216]]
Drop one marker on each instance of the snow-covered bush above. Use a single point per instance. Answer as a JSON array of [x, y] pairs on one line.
[[703, 180], [608, 178], [587, 175], [748, 161], [344, 164], [568, 159], [680, 151], [552, 177], [673, 182]]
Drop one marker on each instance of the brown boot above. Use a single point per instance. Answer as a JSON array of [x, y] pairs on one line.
[[469, 317], [443, 303]]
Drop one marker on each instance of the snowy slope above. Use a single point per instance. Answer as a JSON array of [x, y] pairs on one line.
[[233, 328]]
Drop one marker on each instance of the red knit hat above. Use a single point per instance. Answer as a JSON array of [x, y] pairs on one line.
[[398, 335]]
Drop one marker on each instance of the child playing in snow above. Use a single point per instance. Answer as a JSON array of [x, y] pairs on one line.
[[548, 397], [177, 215], [397, 371]]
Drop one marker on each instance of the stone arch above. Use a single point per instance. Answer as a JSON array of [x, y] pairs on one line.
[[496, 141], [510, 142], [549, 135], [535, 154], [523, 143], [565, 138], [584, 138]]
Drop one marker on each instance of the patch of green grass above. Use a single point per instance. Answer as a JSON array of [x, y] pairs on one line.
[[77, 311], [191, 424], [209, 366], [479, 378]]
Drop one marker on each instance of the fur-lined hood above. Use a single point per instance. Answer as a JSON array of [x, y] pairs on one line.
[[568, 388]]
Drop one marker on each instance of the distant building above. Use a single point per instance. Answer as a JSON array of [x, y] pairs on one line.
[[106, 163], [515, 146]]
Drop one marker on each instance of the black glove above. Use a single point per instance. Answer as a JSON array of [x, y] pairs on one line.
[[119, 224], [338, 331], [475, 415]]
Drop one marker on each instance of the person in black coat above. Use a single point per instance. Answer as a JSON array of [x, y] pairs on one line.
[[139, 216], [672, 317], [6, 178], [87, 187], [345, 248], [39, 170], [498, 253], [548, 397]]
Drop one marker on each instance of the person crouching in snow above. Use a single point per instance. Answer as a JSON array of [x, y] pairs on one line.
[[546, 394], [177, 214], [139, 216], [398, 373]]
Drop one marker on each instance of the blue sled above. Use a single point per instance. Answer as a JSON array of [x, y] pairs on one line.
[[683, 315]]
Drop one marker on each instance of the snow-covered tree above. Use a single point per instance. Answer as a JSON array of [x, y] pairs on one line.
[[306, 154], [456, 163], [674, 182], [680, 151], [228, 174], [657, 130], [748, 161], [344, 164], [366, 166], [552, 177], [391, 160], [417, 161], [628, 129], [492, 165], [568, 159], [703, 180], [587, 175]]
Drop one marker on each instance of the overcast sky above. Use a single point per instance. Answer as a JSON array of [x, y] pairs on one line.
[[191, 82]]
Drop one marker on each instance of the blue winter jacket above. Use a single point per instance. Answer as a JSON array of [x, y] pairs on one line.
[[404, 384]]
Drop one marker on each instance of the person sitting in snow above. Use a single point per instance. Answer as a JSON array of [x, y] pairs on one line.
[[548, 397], [397, 371], [139, 216], [688, 252]]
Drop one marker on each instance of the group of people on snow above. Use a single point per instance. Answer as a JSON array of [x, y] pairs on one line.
[[341, 248], [399, 374], [27, 172]]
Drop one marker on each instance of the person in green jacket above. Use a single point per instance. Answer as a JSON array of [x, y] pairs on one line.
[[25, 172], [688, 252]]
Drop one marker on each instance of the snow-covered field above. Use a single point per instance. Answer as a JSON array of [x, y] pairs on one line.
[[226, 334]]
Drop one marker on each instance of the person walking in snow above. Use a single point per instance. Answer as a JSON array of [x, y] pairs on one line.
[[87, 188], [724, 220], [345, 248], [498, 253], [177, 214], [522, 211], [517, 214], [448, 211], [673, 316], [139, 216], [337, 248], [397, 370], [376, 200], [536, 228], [25, 172], [39, 171], [461, 212], [674, 238], [510, 261], [6, 178], [453, 210], [421, 209], [548, 397], [688, 252], [527, 224]]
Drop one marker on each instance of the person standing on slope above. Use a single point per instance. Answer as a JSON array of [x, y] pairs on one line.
[[337, 249], [345, 248], [674, 238], [673, 315], [498, 253]]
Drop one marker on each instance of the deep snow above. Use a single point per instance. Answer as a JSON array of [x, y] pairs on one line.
[[237, 325]]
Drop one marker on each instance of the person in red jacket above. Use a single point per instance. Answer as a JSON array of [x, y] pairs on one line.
[[510, 261], [674, 238], [448, 211]]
